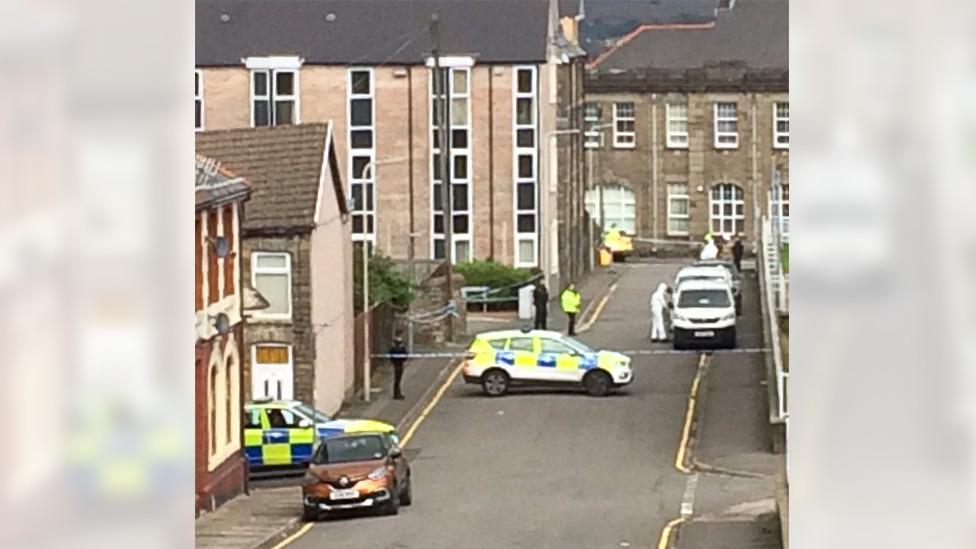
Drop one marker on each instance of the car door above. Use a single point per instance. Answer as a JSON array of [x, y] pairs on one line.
[[559, 360], [288, 439], [523, 353], [399, 464], [254, 418]]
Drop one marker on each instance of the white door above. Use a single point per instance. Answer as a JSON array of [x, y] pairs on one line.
[[272, 372]]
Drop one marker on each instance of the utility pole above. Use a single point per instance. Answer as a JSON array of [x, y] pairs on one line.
[[442, 95]]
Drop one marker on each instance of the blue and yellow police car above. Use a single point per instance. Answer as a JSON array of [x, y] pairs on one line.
[[498, 360], [285, 432]]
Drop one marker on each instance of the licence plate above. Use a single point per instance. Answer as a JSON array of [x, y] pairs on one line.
[[344, 494], [709, 333]]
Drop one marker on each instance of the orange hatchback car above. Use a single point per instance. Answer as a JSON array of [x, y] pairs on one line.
[[356, 471]]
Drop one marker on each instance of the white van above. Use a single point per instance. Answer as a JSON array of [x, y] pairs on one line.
[[715, 272], [703, 315]]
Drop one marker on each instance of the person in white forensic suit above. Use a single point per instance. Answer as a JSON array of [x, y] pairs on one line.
[[710, 251], [659, 301]]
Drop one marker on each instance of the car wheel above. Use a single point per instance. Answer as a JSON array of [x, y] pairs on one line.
[[598, 383], [495, 382], [406, 498], [310, 514], [393, 506], [730, 340]]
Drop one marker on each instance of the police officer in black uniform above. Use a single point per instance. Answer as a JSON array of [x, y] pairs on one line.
[[398, 356]]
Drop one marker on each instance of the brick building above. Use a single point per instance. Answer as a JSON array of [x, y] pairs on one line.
[[297, 253], [219, 462], [514, 83], [689, 124]]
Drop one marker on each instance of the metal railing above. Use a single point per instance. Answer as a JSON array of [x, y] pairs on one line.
[[774, 288]]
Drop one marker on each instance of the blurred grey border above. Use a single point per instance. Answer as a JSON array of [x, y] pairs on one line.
[[95, 207], [95, 334]]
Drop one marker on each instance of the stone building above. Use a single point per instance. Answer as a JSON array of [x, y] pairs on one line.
[[688, 125], [514, 79], [297, 253]]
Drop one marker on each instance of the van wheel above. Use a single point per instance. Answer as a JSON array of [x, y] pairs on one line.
[[598, 383], [730, 340], [495, 382]]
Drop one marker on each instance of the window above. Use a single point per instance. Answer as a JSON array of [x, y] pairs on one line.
[[525, 158], [230, 270], [781, 125], [555, 346], [522, 344], [271, 277], [279, 418], [274, 97], [252, 418], [613, 206], [459, 164], [198, 99], [726, 126], [727, 209], [677, 121], [592, 137], [362, 153], [229, 401], [678, 203], [212, 404], [779, 209], [624, 135]]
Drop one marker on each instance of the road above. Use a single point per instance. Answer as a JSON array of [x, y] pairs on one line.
[[559, 469]]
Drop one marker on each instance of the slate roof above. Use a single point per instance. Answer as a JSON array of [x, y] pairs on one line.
[[754, 34], [283, 164], [369, 32], [215, 184]]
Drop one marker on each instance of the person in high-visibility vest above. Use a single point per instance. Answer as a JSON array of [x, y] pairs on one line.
[[570, 300]]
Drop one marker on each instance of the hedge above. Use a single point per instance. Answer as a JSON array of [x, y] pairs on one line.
[[494, 275]]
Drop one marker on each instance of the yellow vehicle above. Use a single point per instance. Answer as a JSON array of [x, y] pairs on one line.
[[618, 243], [497, 360]]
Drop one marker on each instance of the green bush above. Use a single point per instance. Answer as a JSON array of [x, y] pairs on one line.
[[386, 283], [784, 257], [492, 274]]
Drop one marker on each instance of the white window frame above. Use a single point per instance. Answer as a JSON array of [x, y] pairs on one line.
[[533, 152], [672, 214], [462, 65], [198, 99], [274, 97], [592, 139], [676, 139], [368, 183], [778, 136], [617, 133], [615, 209], [720, 134], [716, 219], [286, 270], [257, 366]]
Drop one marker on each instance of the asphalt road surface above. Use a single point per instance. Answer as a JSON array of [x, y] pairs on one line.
[[559, 469]]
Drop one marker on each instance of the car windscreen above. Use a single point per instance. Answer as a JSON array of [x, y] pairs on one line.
[[700, 277], [350, 449], [704, 298], [312, 414]]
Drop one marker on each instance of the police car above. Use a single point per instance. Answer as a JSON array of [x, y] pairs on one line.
[[498, 360], [285, 432]]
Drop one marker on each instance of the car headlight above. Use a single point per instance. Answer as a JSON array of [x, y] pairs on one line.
[[730, 316], [377, 473], [677, 316]]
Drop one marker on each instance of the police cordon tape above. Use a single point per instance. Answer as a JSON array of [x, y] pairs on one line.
[[638, 352]]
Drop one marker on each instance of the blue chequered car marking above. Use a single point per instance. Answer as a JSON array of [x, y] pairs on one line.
[[254, 455], [546, 360], [588, 362], [327, 432], [505, 357]]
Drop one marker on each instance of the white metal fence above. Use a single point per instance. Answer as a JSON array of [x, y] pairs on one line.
[[775, 286]]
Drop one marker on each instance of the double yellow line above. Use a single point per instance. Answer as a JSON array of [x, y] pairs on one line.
[[684, 447]]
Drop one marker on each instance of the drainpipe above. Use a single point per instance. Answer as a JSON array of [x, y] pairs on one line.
[[755, 176], [655, 218], [411, 236], [491, 163]]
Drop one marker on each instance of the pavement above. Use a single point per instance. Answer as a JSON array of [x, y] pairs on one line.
[[559, 469]]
